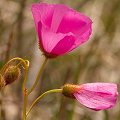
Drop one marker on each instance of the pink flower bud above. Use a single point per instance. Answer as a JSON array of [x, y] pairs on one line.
[[60, 29], [12, 74], [2, 82], [96, 96]]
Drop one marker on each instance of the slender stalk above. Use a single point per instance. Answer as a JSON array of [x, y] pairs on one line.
[[50, 91], [25, 78], [24, 89], [12, 60], [18, 64], [37, 77], [25, 105], [26, 63], [24, 82]]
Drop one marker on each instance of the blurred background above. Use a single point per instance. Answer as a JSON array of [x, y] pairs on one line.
[[97, 60]]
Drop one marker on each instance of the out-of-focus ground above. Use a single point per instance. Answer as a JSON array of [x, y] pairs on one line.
[[97, 60]]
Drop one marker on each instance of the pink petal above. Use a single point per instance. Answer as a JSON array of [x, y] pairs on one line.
[[98, 96], [36, 15], [43, 12], [78, 41], [87, 33], [78, 24], [81, 39], [64, 45], [59, 11], [54, 43], [74, 22]]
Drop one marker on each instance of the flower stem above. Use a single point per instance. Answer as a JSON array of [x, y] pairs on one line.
[[25, 105], [50, 91], [37, 77], [19, 64], [25, 78], [12, 60], [26, 64]]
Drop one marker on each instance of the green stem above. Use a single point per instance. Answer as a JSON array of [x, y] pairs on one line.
[[25, 78], [25, 105], [19, 64], [7, 64], [37, 77], [50, 91], [26, 63]]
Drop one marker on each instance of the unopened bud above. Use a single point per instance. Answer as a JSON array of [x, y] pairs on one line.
[[69, 89], [2, 82], [12, 74]]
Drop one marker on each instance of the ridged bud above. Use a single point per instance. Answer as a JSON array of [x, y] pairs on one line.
[[69, 89], [12, 74], [2, 82]]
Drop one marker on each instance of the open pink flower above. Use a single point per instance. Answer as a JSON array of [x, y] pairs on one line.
[[96, 96], [60, 29]]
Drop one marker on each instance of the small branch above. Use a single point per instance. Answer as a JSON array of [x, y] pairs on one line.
[[50, 91]]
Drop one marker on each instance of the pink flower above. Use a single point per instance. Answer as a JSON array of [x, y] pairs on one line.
[[60, 29], [96, 96]]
